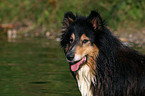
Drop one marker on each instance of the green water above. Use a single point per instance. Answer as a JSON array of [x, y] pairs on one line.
[[35, 67]]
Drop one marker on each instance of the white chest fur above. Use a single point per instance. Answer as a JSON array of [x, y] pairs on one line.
[[85, 78]]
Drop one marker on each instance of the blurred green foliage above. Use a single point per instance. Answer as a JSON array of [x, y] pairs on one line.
[[49, 13]]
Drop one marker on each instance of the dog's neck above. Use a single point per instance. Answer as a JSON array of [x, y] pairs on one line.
[[86, 80]]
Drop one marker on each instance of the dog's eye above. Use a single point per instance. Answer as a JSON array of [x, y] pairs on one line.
[[71, 40], [85, 41]]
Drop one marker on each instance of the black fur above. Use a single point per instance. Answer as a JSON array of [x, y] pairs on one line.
[[120, 70]]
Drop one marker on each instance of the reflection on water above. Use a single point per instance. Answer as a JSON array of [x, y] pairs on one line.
[[35, 67]]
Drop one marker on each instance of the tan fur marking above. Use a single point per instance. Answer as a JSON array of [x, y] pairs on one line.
[[84, 37], [73, 37], [92, 58]]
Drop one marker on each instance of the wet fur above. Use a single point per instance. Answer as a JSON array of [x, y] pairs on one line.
[[112, 69]]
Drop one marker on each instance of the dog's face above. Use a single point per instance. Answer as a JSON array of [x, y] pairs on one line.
[[78, 39], [79, 50]]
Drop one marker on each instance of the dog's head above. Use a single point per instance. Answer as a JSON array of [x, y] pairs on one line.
[[78, 39]]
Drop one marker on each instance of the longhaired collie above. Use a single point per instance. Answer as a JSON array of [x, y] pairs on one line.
[[100, 63]]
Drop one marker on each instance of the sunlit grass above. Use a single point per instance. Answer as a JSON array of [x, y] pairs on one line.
[[48, 14]]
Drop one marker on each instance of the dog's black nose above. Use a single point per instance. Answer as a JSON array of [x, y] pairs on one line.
[[70, 57]]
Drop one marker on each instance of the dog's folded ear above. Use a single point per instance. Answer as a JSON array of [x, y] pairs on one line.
[[69, 18], [95, 19]]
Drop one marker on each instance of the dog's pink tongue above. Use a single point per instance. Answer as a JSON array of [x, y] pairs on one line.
[[75, 67]]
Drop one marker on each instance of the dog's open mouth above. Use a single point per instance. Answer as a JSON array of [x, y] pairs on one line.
[[77, 64]]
